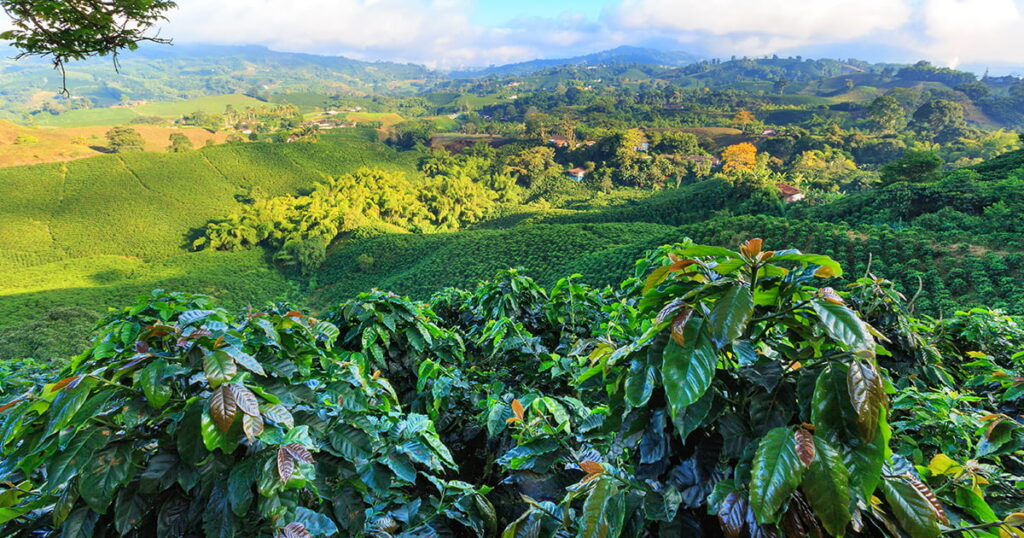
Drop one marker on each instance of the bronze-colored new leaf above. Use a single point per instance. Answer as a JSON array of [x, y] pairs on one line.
[[867, 394], [732, 515], [751, 248], [679, 326], [804, 446], [252, 426], [223, 408], [929, 495], [13, 403], [517, 410], [592, 468], [299, 452], [64, 383], [295, 530], [285, 464], [245, 399]]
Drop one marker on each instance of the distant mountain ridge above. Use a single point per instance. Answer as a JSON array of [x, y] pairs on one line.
[[619, 55]]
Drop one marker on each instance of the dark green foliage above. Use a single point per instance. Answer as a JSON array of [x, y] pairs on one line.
[[915, 166], [713, 383]]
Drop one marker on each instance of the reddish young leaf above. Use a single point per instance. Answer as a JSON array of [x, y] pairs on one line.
[[295, 530], [223, 408], [295, 314], [927, 493], [244, 398], [867, 394], [64, 383], [252, 426], [732, 515], [141, 347], [285, 464], [299, 452], [804, 446], [679, 326], [12, 403], [518, 410], [751, 248]]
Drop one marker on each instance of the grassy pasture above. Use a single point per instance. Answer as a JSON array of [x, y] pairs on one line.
[[170, 110], [53, 144]]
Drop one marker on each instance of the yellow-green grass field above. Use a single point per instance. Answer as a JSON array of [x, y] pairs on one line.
[[172, 109]]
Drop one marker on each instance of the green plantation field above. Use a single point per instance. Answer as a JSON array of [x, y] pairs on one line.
[[150, 205], [96, 232], [602, 253], [170, 110], [39, 297]]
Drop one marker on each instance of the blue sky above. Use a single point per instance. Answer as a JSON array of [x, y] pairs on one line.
[[975, 34], [499, 12]]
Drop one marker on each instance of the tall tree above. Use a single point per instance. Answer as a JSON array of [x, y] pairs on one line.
[[179, 143], [941, 120], [125, 140], [740, 158], [886, 114], [744, 118]]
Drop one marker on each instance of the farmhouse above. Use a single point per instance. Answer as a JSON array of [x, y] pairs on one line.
[[790, 193], [559, 142], [578, 174]]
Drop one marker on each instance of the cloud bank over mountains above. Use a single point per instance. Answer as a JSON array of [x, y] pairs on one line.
[[446, 34]]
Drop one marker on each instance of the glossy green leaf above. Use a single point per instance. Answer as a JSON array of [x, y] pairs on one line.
[[109, 470], [913, 512], [65, 406], [219, 368], [640, 381], [151, 378], [730, 315], [843, 325], [76, 456], [687, 371], [79, 524], [775, 474], [826, 487], [245, 360], [594, 520]]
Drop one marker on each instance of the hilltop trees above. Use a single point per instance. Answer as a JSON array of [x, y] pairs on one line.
[[533, 165], [739, 158], [744, 118], [125, 140], [886, 114], [915, 166], [941, 120], [179, 143]]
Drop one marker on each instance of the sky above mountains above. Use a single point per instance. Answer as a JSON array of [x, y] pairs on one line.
[[972, 34]]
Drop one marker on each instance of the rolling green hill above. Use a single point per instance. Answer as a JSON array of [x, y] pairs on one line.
[[99, 231], [66, 241], [213, 104]]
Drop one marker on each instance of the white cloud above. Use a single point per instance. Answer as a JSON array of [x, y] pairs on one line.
[[441, 33], [368, 28], [434, 32], [761, 26], [972, 31]]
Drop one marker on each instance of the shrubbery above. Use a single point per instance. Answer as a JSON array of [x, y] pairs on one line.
[[716, 391]]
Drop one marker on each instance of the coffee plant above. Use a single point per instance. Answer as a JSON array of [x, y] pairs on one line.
[[716, 393]]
